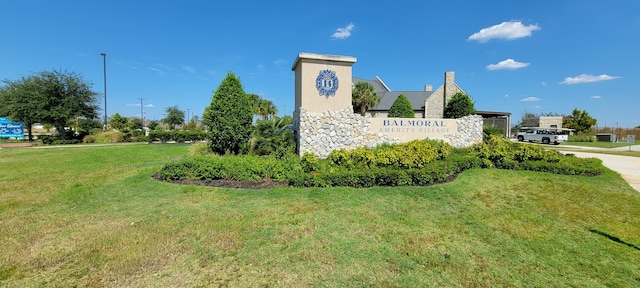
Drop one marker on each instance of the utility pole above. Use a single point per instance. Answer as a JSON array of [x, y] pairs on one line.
[[104, 66], [142, 112]]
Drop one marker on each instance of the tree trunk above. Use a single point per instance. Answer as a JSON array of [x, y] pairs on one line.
[[61, 132], [30, 133]]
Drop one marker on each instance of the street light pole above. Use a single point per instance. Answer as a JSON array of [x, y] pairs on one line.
[[142, 112], [104, 65]]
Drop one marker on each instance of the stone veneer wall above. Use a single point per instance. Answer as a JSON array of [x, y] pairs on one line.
[[321, 133]]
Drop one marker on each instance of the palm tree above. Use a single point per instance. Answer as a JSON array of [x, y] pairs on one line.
[[363, 97], [271, 135], [265, 108]]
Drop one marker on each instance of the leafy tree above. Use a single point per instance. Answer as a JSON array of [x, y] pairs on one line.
[[118, 122], [363, 97], [87, 125], [459, 105], [153, 124], [23, 101], [579, 121], [68, 96], [51, 97], [135, 124], [401, 108], [175, 116], [192, 125], [229, 117]]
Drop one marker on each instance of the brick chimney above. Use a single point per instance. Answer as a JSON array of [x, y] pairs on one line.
[[428, 88]]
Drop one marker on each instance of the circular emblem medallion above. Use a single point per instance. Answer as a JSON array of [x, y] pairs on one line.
[[327, 83]]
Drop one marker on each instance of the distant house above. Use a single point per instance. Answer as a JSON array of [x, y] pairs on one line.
[[543, 121], [426, 104], [429, 103]]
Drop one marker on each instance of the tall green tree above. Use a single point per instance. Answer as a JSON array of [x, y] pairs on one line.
[[23, 101], [580, 121], [175, 116], [459, 105], [229, 117], [52, 97], [118, 122], [401, 108], [87, 125], [363, 97], [68, 96]]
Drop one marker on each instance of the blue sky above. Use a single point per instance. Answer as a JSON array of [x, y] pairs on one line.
[[509, 56]]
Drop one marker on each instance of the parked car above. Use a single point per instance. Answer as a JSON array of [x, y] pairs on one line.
[[544, 135]]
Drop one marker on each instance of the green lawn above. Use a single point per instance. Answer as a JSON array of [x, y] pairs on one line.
[[94, 217], [599, 144]]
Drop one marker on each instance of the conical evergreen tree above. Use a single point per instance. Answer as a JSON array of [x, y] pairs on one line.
[[459, 106], [229, 117], [401, 108]]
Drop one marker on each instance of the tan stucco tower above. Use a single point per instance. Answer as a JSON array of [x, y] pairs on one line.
[[323, 82]]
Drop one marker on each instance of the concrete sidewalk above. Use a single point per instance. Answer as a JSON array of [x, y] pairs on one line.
[[628, 167]]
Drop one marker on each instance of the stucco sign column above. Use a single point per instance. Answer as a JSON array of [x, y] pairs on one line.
[[323, 82]]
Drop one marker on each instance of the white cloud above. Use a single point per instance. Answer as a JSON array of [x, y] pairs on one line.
[[343, 33], [505, 30], [161, 69], [587, 78], [595, 97], [138, 105], [506, 95], [508, 64], [530, 99], [543, 83], [189, 69]]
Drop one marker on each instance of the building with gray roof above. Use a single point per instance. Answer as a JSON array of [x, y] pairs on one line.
[[426, 104]]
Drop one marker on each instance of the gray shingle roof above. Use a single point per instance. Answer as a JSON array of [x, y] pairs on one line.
[[416, 98]]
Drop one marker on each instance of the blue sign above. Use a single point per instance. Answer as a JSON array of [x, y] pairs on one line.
[[327, 83], [10, 129]]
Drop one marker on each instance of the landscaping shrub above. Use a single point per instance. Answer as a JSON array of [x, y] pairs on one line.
[[489, 130], [240, 168], [104, 137], [415, 163], [414, 154], [200, 148]]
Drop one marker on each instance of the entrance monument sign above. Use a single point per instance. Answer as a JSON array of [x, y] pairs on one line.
[[324, 119]]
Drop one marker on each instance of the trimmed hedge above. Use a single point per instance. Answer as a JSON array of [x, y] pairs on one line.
[[416, 163], [240, 168]]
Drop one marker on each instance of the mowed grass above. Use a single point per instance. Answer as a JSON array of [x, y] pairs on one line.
[[94, 217], [600, 144]]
